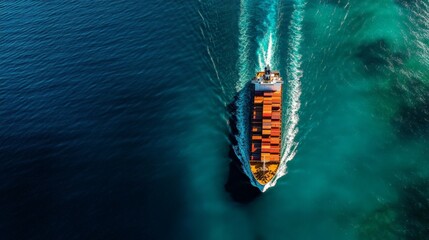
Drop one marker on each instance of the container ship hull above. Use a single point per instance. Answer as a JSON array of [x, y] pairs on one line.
[[266, 124]]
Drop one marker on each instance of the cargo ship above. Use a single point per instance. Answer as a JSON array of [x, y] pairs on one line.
[[266, 125]]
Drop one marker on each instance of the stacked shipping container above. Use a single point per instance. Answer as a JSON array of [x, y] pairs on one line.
[[266, 127]]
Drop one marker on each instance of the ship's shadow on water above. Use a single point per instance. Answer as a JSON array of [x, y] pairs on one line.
[[238, 183]]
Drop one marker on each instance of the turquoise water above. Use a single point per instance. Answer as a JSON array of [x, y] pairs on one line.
[[128, 119]]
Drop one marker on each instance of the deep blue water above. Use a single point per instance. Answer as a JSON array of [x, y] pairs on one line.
[[127, 119]]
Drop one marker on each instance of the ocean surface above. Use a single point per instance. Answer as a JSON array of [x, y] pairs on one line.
[[128, 119]]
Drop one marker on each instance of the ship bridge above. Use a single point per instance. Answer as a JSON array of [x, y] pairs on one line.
[[268, 80]]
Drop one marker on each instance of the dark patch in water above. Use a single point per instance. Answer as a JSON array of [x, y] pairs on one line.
[[415, 204], [413, 120], [413, 117], [380, 224], [378, 55], [405, 219]]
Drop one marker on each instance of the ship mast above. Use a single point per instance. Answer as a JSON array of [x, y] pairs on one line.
[[264, 168], [267, 73]]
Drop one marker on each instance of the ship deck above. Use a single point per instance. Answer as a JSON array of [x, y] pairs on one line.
[[266, 135]]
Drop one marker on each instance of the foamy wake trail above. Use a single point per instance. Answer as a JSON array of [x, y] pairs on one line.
[[268, 43], [265, 53]]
